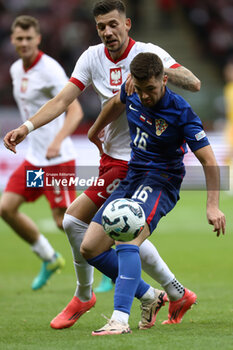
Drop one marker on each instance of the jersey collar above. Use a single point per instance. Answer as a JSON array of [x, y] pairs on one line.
[[38, 57], [125, 53]]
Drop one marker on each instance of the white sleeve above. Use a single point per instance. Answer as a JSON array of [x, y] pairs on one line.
[[82, 71], [56, 78], [167, 60]]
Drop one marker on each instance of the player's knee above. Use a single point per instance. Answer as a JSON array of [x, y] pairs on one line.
[[67, 223], [86, 252], [72, 225], [6, 212], [83, 250], [69, 226]]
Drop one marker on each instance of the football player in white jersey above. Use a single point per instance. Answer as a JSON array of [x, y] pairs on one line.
[[106, 66], [36, 78]]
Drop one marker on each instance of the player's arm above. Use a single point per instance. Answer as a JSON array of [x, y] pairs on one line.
[[215, 217], [110, 112], [74, 116], [51, 110], [180, 76], [183, 78]]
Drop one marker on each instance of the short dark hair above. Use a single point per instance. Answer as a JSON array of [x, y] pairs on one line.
[[106, 6], [146, 65], [26, 22]]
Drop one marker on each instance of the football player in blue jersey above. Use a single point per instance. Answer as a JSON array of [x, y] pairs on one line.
[[161, 124], [117, 50]]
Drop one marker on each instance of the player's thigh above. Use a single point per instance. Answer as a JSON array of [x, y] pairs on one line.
[[95, 241], [140, 238], [17, 184], [10, 202], [82, 208]]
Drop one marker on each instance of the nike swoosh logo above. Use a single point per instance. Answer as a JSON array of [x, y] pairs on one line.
[[133, 109], [100, 195], [126, 278], [160, 303], [150, 316]]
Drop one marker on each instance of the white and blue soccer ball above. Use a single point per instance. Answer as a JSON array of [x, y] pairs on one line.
[[123, 219]]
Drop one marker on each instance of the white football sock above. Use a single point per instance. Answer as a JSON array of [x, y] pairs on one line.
[[75, 230], [149, 295], [43, 248], [120, 316], [153, 264], [174, 290]]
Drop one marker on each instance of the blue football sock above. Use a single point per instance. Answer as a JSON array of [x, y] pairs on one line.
[[107, 263], [129, 276]]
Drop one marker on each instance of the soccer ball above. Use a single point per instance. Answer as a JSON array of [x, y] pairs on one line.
[[123, 219]]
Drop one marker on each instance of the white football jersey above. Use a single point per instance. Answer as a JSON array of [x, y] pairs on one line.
[[95, 66], [32, 88]]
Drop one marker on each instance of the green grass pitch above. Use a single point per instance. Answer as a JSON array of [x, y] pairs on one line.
[[200, 260]]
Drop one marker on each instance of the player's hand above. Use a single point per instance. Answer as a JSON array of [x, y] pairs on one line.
[[217, 219], [129, 86], [53, 150], [14, 137], [95, 139]]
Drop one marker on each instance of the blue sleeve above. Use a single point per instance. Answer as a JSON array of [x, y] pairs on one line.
[[194, 133], [123, 94]]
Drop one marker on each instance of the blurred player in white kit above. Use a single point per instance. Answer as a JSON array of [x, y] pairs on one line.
[[36, 79]]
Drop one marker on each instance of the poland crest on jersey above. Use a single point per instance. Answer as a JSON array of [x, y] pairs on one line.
[[161, 125], [115, 76], [24, 85]]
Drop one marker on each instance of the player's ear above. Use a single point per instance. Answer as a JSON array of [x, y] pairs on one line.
[[165, 79], [39, 39], [128, 24]]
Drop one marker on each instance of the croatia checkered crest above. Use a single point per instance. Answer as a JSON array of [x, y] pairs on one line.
[[123, 219]]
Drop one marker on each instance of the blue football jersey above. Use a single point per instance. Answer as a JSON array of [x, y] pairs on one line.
[[160, 134]]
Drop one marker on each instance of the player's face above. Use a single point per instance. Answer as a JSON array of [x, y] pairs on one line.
[[113, 29], [26, 42], [150, 91]]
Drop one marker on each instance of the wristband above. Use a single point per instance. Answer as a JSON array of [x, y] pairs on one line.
[[29, 126]]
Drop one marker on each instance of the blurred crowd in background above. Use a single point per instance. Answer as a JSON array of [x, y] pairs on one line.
[[213, 23], [68, 28]]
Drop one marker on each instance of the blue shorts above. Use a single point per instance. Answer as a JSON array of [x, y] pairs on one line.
[[157, 193]]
